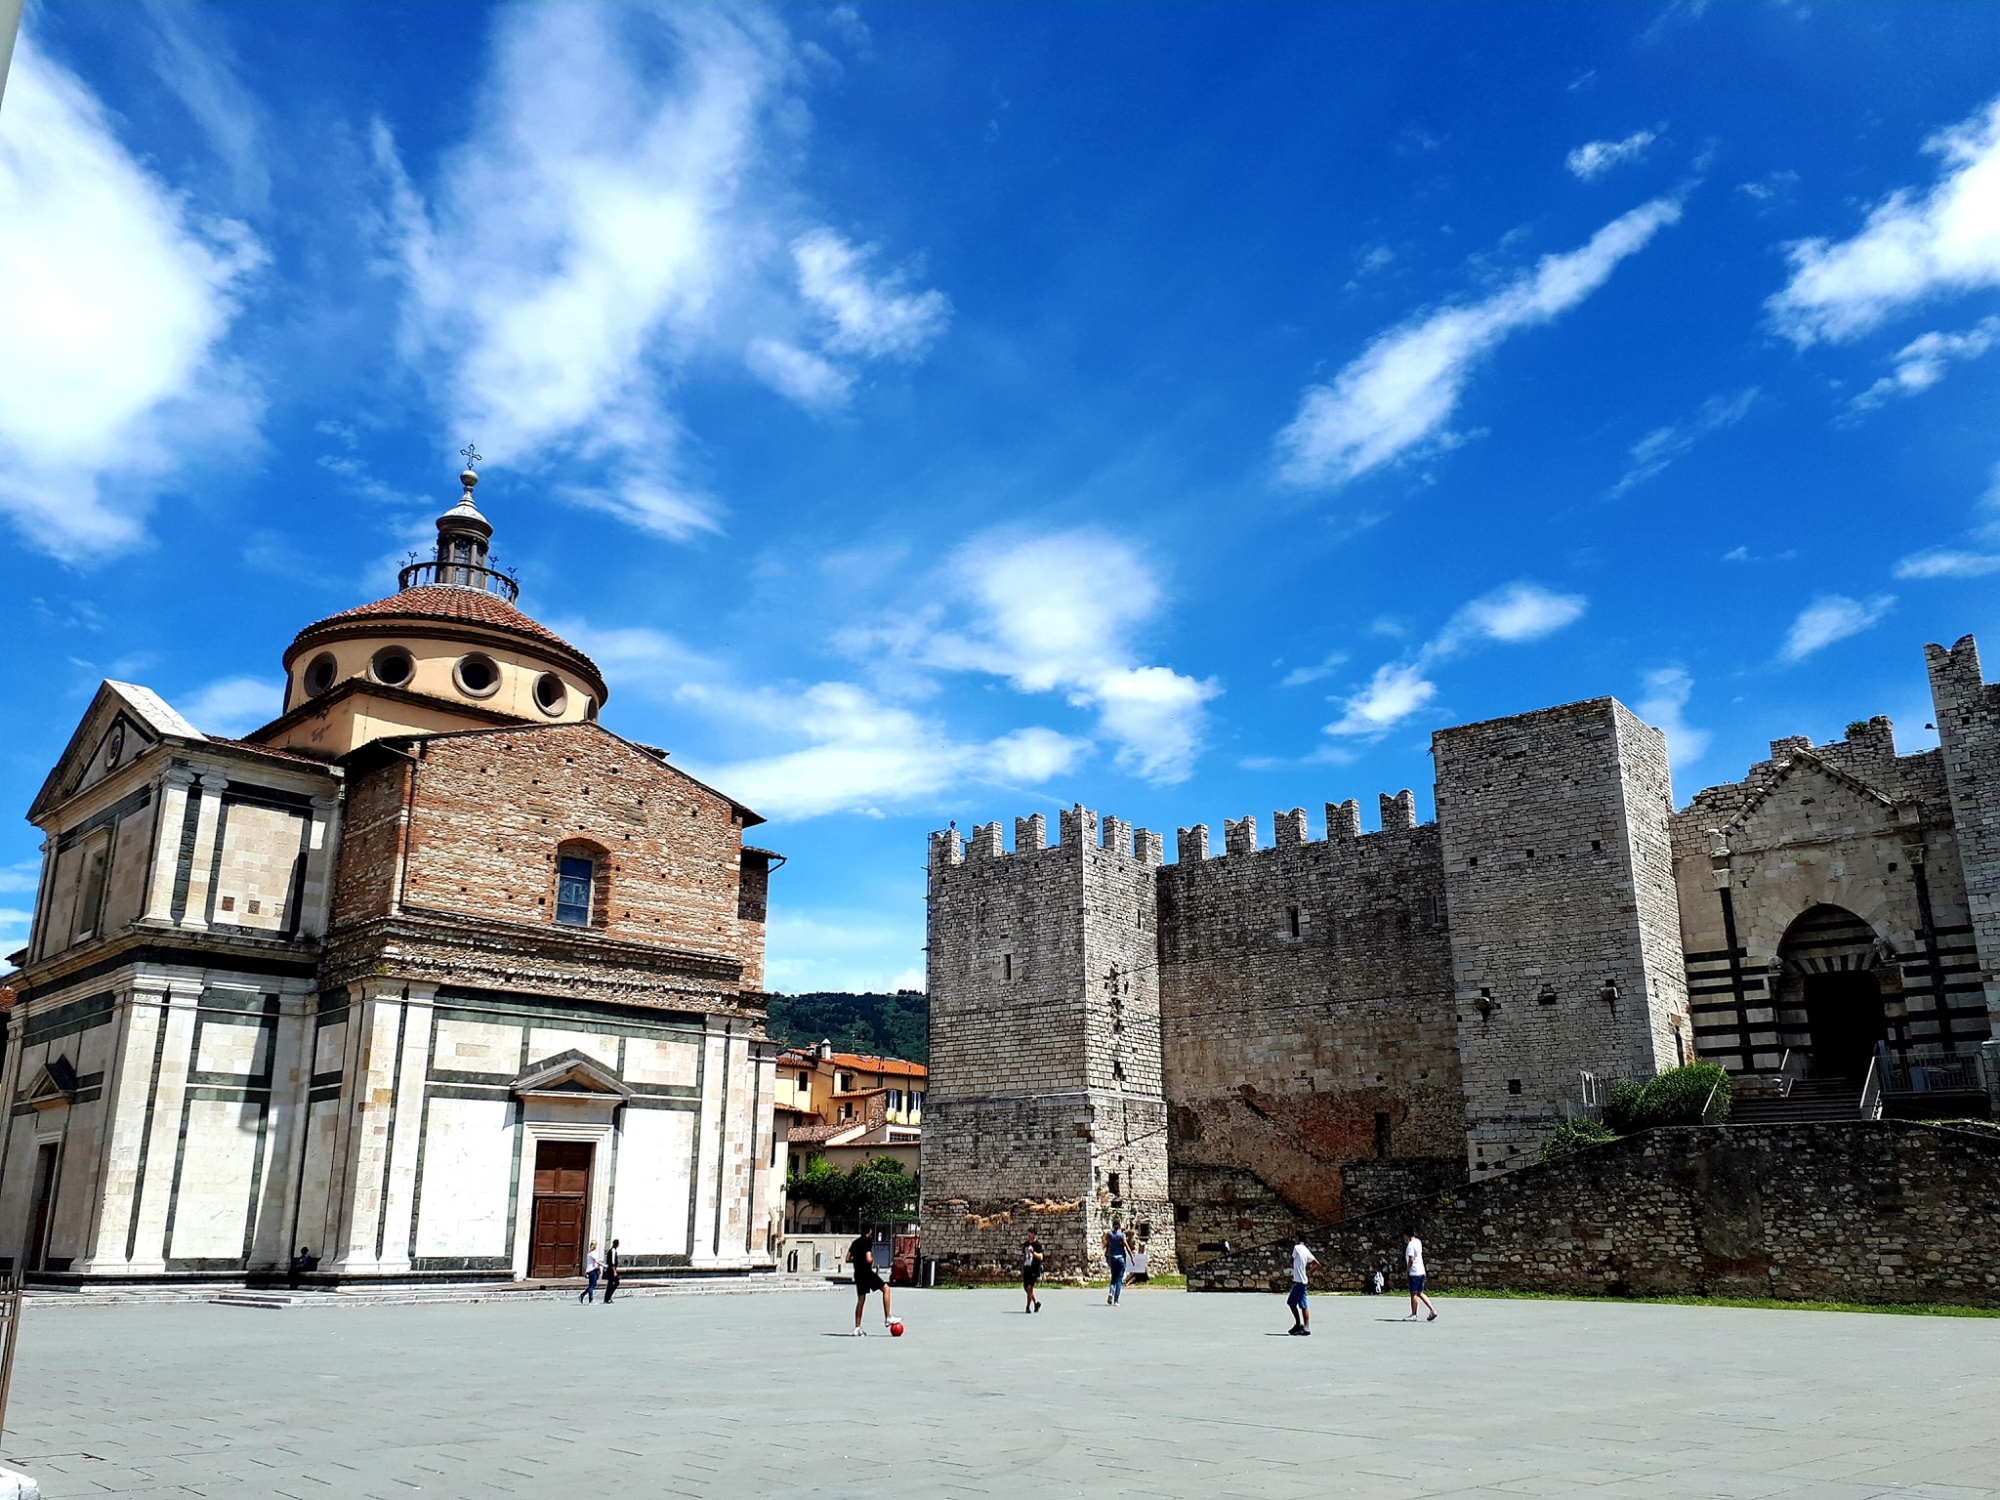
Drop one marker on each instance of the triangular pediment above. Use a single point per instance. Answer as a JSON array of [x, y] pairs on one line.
[[53, 1085], [573, 1073], [1783, 802], [121, 722]]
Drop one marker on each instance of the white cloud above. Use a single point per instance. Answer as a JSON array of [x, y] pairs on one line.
[[1944, 562], [618, 219], [1513, 615], [798, 374], [865, 754], [868, 317], [1402, 389], [1667, 694], [1948, 562], [1394, 693], [1594, 158], [1057, 613], [1660, 447], [1921, 363], [113, 305], [844, 950], [233, 705], [1915, 245], [1325, 667], [1830, 618]]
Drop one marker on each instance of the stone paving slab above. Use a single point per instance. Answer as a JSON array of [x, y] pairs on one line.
[[1171, 1394]]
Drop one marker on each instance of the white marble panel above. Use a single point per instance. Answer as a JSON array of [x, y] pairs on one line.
[[229, 1048], [316, 1185], [547, 1042], [213, 1205], [330, 1048], [468, 1164], [658, 1062], [477, 1047], [650, 1208]]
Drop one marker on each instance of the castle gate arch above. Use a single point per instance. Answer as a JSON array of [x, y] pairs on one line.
[[1831, 1000]]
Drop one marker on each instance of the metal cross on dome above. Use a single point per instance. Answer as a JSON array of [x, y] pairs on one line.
[[471, 456]]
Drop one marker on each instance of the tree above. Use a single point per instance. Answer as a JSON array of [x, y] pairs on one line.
[[874, 1192]]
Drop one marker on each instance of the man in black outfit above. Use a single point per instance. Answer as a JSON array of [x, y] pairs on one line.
[[1031, 1269], [862, 1254], [610, 1272]]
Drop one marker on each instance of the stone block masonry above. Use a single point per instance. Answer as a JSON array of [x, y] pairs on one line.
[[1565, 935], [1860, 1211], [1044, 1105]]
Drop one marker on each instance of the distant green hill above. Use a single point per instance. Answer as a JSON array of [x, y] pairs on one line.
[[895, 1025]]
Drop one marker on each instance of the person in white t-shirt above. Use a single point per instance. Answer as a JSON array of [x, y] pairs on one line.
[[1413, 1262], [1301, 1258]]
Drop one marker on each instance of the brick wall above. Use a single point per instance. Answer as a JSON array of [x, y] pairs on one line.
[[669, 848], [1861, 1211], [1306, 1007]]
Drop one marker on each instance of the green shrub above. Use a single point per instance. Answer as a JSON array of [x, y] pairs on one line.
[[1623, 1107], [1678, 1096], [1576, 1135]]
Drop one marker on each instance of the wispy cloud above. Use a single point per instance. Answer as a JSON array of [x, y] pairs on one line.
[[1059, 613], [114, 304], [1960, 562], [1667, 694], [619, 221], [1921, 363], [1916, 245], [1660, 447], [1593, 159], [1831, 618], [1402, 389], [1513, 615], [232, 705], [1326, 666]]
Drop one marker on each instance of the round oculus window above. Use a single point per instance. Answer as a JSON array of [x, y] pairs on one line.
[[550, 693], [477, 675], [393, 666], [320, 675]]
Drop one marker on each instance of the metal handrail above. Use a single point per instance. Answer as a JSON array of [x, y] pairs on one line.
[[1871, 1091], [459, 575]]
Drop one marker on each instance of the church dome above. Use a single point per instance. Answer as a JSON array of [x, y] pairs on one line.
[[450, 635]]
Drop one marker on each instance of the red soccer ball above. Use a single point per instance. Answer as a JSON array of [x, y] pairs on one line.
[[896, 1330]]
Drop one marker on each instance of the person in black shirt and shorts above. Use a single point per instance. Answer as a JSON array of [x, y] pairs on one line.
[[866, 1280], [1031, 1270]]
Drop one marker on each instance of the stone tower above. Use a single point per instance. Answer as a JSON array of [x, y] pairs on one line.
[[1565, 933], [1044, 1107], [1968, 722]]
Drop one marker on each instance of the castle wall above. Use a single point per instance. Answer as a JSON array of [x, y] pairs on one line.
[[1560, 894], [1310, 1050]]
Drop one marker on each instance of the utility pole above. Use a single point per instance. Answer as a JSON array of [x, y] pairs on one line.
[[10, 26]]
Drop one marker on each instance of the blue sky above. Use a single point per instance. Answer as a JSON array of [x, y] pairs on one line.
[[950, 412]]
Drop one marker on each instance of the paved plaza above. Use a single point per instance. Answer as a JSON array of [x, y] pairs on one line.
[[1170, 1394]]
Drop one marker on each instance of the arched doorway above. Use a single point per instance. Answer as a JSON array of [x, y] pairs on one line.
[[1832, 982]]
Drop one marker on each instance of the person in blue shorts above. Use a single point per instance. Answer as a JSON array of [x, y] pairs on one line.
[[1301, 1258], [1413, 1262]]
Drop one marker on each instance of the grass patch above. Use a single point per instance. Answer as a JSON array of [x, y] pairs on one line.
[[1903, 1309]]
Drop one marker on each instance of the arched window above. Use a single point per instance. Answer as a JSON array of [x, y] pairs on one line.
[[582, 885]]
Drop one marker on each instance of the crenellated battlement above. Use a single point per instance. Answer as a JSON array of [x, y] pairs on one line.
[[1077, 825], [1291, 830]]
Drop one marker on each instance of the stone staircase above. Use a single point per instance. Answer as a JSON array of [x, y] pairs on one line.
[[1811, 1101]]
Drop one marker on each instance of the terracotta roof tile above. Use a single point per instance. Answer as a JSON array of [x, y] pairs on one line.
[[455, 604]]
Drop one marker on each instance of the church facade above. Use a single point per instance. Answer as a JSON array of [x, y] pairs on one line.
[[433, 974]]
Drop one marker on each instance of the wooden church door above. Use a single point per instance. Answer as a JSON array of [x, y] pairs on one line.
[[562, 1203]]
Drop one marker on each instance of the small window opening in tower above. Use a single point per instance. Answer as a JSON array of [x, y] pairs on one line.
[[1114, 1187], [1006, 966], [1382, 1136], [574, 878], [1292, 918]]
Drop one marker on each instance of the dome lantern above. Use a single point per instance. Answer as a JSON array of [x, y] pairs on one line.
[[462, 547]]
